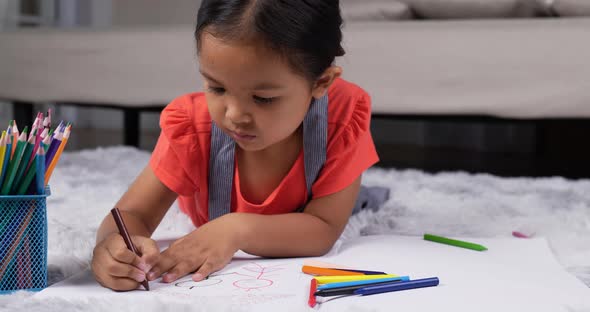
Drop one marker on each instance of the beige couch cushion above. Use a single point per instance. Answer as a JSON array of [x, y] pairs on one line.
[[571, 7], [519, 68], [512, 68], [129, 67], [451, 9], [375, 10]]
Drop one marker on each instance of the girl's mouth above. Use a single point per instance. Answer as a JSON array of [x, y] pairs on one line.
[[241, 136]]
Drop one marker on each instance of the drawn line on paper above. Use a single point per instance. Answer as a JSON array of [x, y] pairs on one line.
[[262, 278]]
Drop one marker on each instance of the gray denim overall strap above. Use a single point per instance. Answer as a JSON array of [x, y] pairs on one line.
[[315, 140], [221, 172], [221, 157]]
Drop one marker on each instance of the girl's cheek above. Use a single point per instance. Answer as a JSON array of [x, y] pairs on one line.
[[214, 107]]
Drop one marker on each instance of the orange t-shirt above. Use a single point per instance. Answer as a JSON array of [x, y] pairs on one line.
[[181, 157]]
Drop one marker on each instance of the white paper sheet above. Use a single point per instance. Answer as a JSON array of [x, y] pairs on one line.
[[512, 275]]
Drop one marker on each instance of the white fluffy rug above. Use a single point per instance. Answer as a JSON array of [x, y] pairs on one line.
[[87, 184]]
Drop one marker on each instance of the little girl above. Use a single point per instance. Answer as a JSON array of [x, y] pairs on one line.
[[267, 160]]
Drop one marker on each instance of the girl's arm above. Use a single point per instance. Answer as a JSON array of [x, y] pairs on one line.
[[212, 245], [311, 233], [143, 206]]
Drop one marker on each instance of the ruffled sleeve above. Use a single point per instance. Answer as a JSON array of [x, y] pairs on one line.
[[350, 152], [174, 157]]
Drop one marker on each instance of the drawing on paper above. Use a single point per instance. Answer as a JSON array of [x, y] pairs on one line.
[[190, 284], [252, 276]]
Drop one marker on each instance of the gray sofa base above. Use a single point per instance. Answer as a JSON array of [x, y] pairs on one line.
[[545, 147], [24, 113], [508, 147]]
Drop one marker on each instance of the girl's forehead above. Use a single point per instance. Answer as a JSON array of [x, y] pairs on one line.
[[211, 46], [237, 57]]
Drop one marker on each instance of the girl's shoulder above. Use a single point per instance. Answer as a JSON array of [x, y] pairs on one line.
[[348, 103], [187, 110]]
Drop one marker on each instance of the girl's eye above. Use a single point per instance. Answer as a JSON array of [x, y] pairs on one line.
[[216, 90], [262, 100]]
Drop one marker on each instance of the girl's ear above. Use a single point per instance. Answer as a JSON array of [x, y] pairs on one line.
[[326, 79]]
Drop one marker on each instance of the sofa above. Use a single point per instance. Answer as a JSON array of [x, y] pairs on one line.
[[506, 59]]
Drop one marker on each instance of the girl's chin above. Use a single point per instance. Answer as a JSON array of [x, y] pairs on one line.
[[250, 146]]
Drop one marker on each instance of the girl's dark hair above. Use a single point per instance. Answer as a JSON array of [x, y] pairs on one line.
[[306, 32]]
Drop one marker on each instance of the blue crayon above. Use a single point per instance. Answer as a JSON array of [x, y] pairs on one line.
[[396, 286]]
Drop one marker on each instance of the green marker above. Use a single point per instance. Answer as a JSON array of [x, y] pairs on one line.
[[454, 242]]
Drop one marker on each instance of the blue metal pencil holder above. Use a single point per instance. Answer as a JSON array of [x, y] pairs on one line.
[[23, 242]]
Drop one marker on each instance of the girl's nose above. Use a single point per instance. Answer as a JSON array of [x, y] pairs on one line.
[[237, 113]]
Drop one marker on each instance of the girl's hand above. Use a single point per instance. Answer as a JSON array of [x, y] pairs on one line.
[[206, 250], [116, 267]]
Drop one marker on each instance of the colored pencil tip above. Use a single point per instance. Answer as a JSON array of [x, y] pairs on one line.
[[521, 234]]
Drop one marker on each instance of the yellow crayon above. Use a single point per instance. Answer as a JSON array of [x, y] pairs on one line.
[[350, 278]]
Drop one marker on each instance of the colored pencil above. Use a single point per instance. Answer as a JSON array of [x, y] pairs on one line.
[[34, 127], [9, 140], [366, 282], [365, 272], [48, 118], [348, 290], [348, 278], [2, 153], [313, 285], [32, 173], [56, 130], [6, 159], [20, 274], [14, 163], [328, 265], [40, 180], [326, 272], [9, 246], [21, 172], [37, 144], [454, 242], [396, 286], [126, 237], [317, 270], [44, 133], [24, 278], [57, 139], [15, 136], [47, 141], [49, 170]]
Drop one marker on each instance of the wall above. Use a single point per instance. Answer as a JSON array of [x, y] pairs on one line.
[[154, 12]]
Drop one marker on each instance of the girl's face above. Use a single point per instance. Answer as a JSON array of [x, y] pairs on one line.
[[252, 94]]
